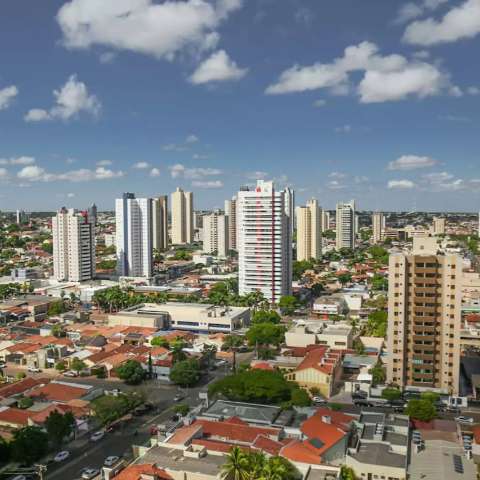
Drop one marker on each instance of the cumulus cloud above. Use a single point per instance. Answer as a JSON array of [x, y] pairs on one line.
[[460, 22], [155, 172], [219, 67], [71, 100], [257, 175], [34, 173], [336, 185], [401, 184], [446, 182], [104, 163], [343, 129], [412, 162], [179, 170], [386, 78], [141, 165], [161, 30], [411, 10], [70, 195], [17, 161], [3, 172], [319, 103], [207, 183], [7, 95]]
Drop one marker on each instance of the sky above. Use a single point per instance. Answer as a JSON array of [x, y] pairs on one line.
[[372, 100]]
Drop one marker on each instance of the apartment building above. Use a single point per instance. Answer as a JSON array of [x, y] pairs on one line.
[[134, 236], [378, 226], [346, 225], [73, 246], [424, 318], [439, 225], [160, 223], [309, 231], [264, 240], [216, 234], [325, 220], [231, 213], [182, 217]]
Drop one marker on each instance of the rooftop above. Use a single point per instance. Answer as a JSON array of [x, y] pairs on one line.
[[379, 454], [250, 412]]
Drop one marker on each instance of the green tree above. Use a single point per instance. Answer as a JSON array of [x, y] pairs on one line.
[[56, 308], [182, 409], [59, 427], [300, 267], [344, 278], [264, 316], [391, 394], [288, 304], [5, 451], [420, 409], [237, 466], [131, 372], [379, 282], [347, 473], [61, 366], [378, 374], [159, 342], [25, 402], [232, 341], [58, 331], [29, 445], [77, 365], [266, 334], [377, 324], [185, 373], [432, 397], [300, 398]]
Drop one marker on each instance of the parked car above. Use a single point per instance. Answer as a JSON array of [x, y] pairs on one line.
[[462, 419], [61, 456], [89, 473], [319, 400], [112, 460], [359, 395], [70, 373], [178, 397], [95, 437], [33, 369]]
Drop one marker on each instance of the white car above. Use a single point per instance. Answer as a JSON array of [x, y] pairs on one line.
[[462, 419], [61, 456], [70, 373], [319, 400], [33, 369], [97, 436], [112, 460], [89, 473]]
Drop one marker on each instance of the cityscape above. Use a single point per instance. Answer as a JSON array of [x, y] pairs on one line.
[[243, 243]]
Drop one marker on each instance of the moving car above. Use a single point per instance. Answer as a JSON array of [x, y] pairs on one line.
[[61, 456], [112, 460], [463, 419], [178, 397], [95, 437], [89, 473]]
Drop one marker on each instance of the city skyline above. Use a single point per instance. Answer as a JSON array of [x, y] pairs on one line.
[[297, 93]]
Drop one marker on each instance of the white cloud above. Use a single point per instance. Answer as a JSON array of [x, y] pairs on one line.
[[207, 183], [3, 173], [337, 175], [70, 195], [343, 129], [473, 90], [7, 95], [335, 185], [141, 165], [162, 30], [173, 147], [401, 184], [107, 57], [200, 156], [462, 21], [155, 172], [70, 161], [411, 10], [72, 99], [319, 103], [258, 175], [217, 68], [446, 182], [17, 161], [34, 173], [179, 170], [104, 163], [192, 139], [386, 78], [304, 16], [411, 162]]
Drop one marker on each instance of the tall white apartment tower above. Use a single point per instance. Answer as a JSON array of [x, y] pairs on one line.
[[264, 241], [160, 223], [231, 213], [439, 225], [325, 220], [309, 231], [134, 236], [182, 217], [378, 226], [346, 225], [215, 234], [73, 246]]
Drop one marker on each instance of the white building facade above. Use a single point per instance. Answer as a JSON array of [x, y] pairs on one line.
[[346, 225], [215, 234], [309, 231], [182, 217]]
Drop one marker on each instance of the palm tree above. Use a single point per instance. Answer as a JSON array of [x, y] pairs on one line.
[[236, 467], [256, 464], [273, 470]]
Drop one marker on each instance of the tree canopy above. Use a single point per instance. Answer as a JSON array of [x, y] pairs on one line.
[[185, 373], [131, 372], [288, 304], [421, 409], [264, 316], [377, 324], [29, 445], [266, 334], [59, 426]]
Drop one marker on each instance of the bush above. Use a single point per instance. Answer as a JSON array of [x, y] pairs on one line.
[[421, 409], [182, 409], [300, 398], [185, 372], [131, 372], [24, 403]]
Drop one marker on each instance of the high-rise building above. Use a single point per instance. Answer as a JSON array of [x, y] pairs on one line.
[[378, 226], [439, 224], [309, 231], [134, 236], [160, 223], [22, 217], [231, 213], [424, 321], [264, 241], [182, 217], [325, 220], [93, 214], [73, 236], [346, 225], [215, 234]]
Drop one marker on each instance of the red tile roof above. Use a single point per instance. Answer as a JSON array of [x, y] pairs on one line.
[[57, 392], [319, 359], [22, 386], [214, 445], [135, 472], [15, 416], [267, 445]]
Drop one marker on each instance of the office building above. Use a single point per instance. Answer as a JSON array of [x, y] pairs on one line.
[[93, 214], [215, 234], [73, 236], [439, 224], [346, 225], [21, 217], [231, 213], [134, 236], [309, 231], [160, 223], [325, 220], [378, 226], [264, 241], [424, 308], [182, 217]]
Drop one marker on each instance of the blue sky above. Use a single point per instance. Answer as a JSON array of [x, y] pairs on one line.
[[376, 100]]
